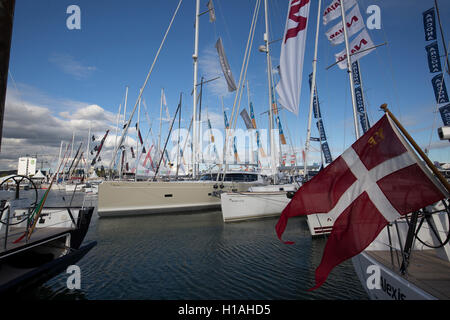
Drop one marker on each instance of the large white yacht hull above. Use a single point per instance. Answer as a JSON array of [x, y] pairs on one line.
[[118, 198]]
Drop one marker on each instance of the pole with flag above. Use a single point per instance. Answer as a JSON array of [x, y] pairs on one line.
[[374, 182]]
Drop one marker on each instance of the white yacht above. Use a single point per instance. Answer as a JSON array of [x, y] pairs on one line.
[[410, 259], [118, 198]]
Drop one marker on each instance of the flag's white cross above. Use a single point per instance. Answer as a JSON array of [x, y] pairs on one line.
[[367, 181]]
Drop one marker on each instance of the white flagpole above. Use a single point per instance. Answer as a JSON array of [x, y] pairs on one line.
[[137, 140], [313, 90], [160, 124], [350, 71]]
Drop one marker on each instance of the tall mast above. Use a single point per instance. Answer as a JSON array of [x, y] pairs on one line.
[[59, 160], [125, 109], [87, 151], [269, 80], [160, 124], [194, 106], [313, 90], [137, 140], [350, 71]]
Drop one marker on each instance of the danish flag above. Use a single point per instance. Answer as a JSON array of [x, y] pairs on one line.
[[374, 182]]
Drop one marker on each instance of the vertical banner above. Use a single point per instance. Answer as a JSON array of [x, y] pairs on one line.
[[445, 114], [316, 106], [326, 152], [225, 66], [359, 97], [429, 24], [440, 90], [434, 60], [292, 55], [319, 123], [356, 75]]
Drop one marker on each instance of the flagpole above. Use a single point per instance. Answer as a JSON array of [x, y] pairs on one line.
[[349, 70], [418, 149], [313, 88]]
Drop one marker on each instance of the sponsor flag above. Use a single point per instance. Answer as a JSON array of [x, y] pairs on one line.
[[292, 55], [225, 119], [247, 120], [252, 116], [440, 90], [210, 130], [354, 22], [429, 24], [225, 66], [445, 114], [212, 12], [364, 120], [359, 47], [434, 60], [355, 73], [326, 152], [374, 182], [334, 9]]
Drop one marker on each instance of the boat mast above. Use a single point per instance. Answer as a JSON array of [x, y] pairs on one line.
[[59, 160], [137, 140], [160, 124], [194, 106], [350, 71], [269, 80], [87, 151], [313, 90]]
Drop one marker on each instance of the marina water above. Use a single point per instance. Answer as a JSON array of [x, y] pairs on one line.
[[197, 257]]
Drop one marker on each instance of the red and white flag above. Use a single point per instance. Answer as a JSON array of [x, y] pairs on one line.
[[360, 46], [374, 182], [334, 9], [292, 55], [355, 23]]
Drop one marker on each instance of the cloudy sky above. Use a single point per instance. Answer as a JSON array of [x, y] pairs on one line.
[[63, 82]]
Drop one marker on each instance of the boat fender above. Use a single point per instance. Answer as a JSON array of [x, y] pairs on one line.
[[215, 186], [290, 194]]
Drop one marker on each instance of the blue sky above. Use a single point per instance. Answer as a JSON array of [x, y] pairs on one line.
[[63, 79]]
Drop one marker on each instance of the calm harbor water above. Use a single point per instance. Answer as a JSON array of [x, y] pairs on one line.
[[198, 257]]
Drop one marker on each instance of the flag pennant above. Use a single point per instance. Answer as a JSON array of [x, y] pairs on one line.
[[361, 46], [440, 90], [445, 114], [434, 60], [292, 55], [429, 24], [374, 182], [225, 66], [247, 120], [355, 23], [333, 11], [212, 11]]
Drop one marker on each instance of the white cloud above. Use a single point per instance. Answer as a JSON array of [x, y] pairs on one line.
[[70, 66], [30, 128]]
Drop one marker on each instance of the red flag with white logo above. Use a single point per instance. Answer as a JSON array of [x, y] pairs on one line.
[[374, 182], [292, 55]]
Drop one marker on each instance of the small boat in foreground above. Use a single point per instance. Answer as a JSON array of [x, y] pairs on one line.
[[36, 247]]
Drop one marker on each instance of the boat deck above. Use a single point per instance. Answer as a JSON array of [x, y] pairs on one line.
[[39, 235], [426, 270]]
